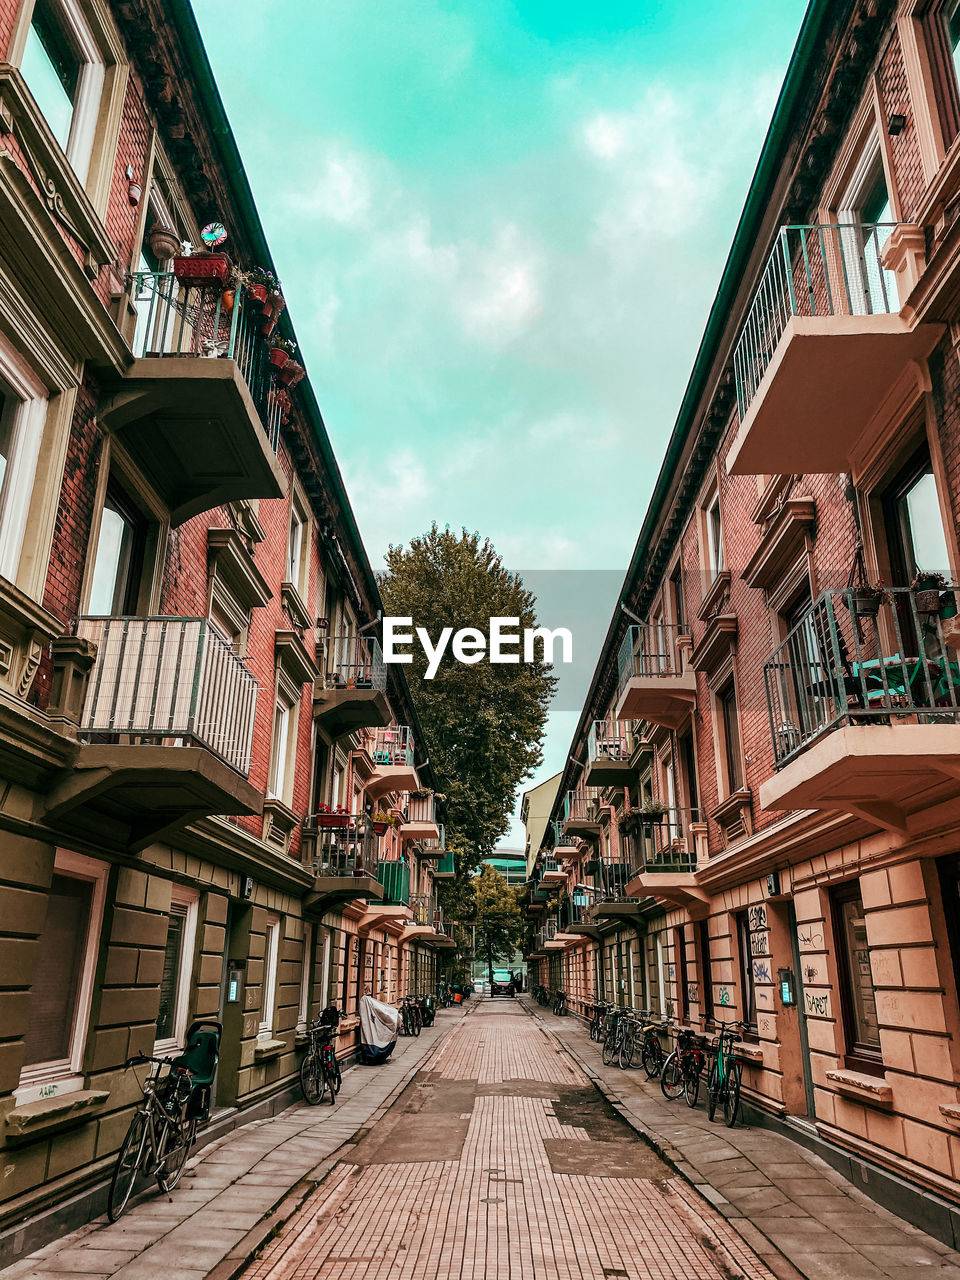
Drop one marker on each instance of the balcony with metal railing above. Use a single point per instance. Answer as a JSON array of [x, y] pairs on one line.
[[552, 872], [391, 750], [395, 878], [654, 682], [199, 408], [419, 819], [351, 692], [167, 723], [427, 922], [823, 344], [435, 848], [343, 861], [864, 704], [614, 749], [581, 815]]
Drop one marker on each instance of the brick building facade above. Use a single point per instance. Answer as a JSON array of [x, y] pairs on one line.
[[759, 820], [215, 800]]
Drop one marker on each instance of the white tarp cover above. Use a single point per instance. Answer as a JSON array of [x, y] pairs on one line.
[[379, 1028]]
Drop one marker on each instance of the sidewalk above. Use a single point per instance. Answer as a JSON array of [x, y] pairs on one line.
[[772, 1190], [237, 1191]]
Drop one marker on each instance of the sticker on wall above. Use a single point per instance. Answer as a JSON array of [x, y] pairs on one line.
[[761, 971]]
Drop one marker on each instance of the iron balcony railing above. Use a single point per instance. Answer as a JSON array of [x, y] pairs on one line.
[[420, 808], [612, 740], [177, 319], [663, 842], [573, 910], [550, 864], [168, 680], [438, 846], [818, 269], [422, 908], [611, 879], [355, 662], [649, 650], [392, 746], [342, 852], [579, 807], [844, 664]]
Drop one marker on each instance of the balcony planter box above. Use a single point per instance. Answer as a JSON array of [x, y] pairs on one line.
[[333, 821], [380, 828], [202, 268]]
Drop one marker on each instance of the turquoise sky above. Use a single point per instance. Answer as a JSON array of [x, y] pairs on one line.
[[499, 228]]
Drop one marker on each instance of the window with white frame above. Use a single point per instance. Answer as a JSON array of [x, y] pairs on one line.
[[175, 980], [64, 70], [268, 992], [281, 775], [713, 523], [303, 1013], [62, 986], [23, 411], [298, 543]]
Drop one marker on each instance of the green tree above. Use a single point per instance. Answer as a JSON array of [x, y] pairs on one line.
[[483, 723], [498, 922]]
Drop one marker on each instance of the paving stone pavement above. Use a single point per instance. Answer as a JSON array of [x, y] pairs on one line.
[[769, 1188], [236, 1189], [501, 1161]]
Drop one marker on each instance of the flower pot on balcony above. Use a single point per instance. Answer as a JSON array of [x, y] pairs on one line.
[[380, 828], [227, 300], [927, 601], [202, 268], [277, 303], [257, 293], [332, 821], [865, 602], [278, 357], [164, 242], [291, 373]]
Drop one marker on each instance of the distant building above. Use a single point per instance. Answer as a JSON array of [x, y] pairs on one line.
[[511, 863], [535, 813]]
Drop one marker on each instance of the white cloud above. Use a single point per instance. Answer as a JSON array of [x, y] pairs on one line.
[[342, 190], [502, 293]]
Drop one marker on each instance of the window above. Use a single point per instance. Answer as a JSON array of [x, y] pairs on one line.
[[119, 563], [23, 409], [676, 592], [865, 215], [730, 726], [748, 991], [64, 70], [303, 1013], [706, 968], [281, 749], [175, 980], [857, 996], [271, 949], [912, 521], [298, 544], [714, 532], [952, 16], [680, 947], [63, 980]]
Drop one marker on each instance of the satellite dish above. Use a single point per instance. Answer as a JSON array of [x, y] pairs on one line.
[[213, 234]]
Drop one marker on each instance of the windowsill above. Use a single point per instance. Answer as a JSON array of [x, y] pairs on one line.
[[265, 1050], [863, 1087], [293, 602], [950, 1111], [715, 593], [22, 1123], [752, 1053]]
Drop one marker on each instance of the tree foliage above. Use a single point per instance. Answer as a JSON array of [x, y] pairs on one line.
[[497, 915], [483, 723]]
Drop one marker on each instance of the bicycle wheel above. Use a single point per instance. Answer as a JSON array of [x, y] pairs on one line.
[[611, 1048], [415, 1021], [691, 1085], [125, 1171], [312, 1080], [330, 1083], [731, 1099], [715, 1088], [671, 1077], [627, 1042], [652, 1057], [174, 1148], [594, 1031]]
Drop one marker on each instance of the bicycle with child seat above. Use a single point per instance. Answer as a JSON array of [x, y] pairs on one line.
[[176, 1097], [684, 1067], [320, 1074], [652, 1056], [726, 1072]]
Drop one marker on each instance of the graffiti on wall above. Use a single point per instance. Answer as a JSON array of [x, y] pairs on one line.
[[757, 917], [761, 971], [723, 996]]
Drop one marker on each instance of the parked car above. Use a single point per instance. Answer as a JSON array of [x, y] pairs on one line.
[[502, 984]]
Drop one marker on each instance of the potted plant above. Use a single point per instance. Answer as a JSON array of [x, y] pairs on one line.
[[258, 285], [926, 588], [865, 601], [652, 812], [333, 819], [164, 242], [281, 349], [381, 821], [291, 373]]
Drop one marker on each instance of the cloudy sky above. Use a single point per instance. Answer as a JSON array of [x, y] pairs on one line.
[[499, 227]]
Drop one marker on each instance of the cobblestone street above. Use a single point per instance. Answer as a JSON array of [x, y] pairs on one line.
[[501, 1160]]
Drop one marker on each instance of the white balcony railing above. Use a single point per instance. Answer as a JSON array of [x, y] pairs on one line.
[[355, 662], [392, 746], [649, 651], [173, 681]]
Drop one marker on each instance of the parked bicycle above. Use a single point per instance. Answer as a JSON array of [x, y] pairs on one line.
[[560, 1004], [726, 1072], [615, 1027], [684, 1067], [411, 1021], [542, 995], [652, 1056], [597, 1020], [320, 1073], [445, 995], [176, 1097]]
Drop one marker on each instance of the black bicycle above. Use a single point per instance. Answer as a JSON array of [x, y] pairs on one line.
[[176, 1097], [684, 1067], [411, 1020], [320, 1073], [560, 1004], [598, 1020], [542, 995]]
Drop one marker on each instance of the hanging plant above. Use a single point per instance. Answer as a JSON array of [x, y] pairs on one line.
[[926, 588], [865, 601], [164, 241]]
